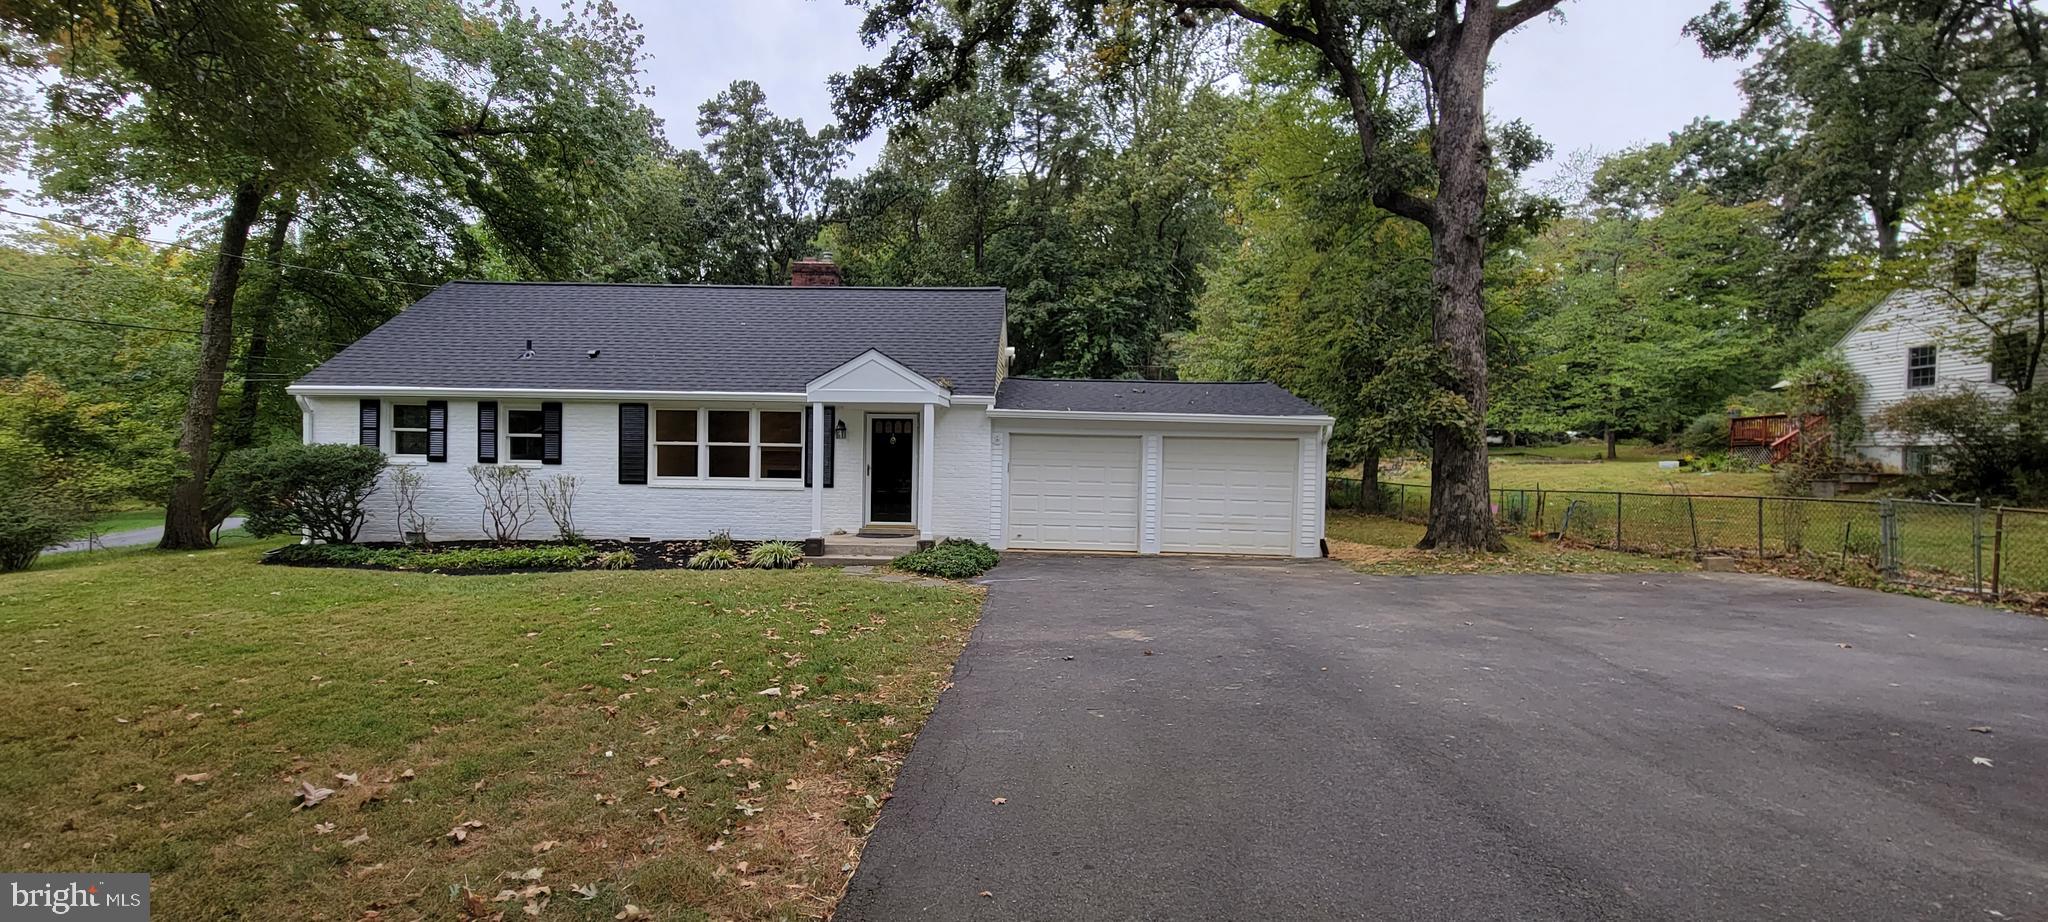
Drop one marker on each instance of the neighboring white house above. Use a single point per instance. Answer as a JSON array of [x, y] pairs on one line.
[[1914, 342], [688, 409]]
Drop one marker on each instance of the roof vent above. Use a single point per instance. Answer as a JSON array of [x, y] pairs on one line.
[[593, 353], [527, 353]]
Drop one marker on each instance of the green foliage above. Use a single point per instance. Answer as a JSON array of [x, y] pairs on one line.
[[1708, 432], [953, 558], [774, 555], [318, 489], [453, 560], [37, 509], [1828, 385], [1985, 448], [715, 558], [617, 560], [720, 540]]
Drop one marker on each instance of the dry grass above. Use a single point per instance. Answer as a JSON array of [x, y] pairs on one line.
[[1377, 544]]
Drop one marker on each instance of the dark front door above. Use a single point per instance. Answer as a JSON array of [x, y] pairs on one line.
[[889, 467]]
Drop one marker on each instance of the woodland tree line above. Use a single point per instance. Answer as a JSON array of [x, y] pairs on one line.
[[1302, 191]]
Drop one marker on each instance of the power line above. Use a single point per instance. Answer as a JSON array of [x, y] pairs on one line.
[[205, 252]]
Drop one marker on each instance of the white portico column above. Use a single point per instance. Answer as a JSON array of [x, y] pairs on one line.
[[924, 475], [818, 445]]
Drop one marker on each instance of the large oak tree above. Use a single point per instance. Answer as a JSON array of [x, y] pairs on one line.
[[938, 47]]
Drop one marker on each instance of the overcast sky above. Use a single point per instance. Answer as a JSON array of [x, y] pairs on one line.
[[1612, 74]]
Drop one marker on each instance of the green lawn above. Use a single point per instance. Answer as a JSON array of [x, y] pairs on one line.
[[128, 519], [608, 729], [1377, 544], [1578, 466]]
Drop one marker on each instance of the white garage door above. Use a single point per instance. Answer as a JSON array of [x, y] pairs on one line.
[[1074, 492], [1229, 496]]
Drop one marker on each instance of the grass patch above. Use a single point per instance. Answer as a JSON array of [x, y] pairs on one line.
[[129, 520], [1377, 544], [1580, 466], [606, 727]]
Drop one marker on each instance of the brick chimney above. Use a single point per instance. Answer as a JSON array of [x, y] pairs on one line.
[[811, 273]]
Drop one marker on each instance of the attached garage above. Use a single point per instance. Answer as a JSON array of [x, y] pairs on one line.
[[1158, 467], [1074, 493]]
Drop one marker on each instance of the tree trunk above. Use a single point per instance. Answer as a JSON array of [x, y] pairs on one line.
[[1369, 482], [185, 525], [1609, 436], [1460, 510], [1887, 218], [262, 319]]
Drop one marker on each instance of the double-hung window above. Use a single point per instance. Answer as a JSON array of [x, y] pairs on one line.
[[524, 434], [409, 425], [708, 444], [1920, 363]]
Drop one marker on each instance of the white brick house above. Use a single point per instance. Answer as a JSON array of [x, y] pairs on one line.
[[686, 409]]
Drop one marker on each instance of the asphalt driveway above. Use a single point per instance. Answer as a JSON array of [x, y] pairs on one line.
[[1208, 739]]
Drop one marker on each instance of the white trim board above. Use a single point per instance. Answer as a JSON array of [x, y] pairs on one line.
[[1155, 418]]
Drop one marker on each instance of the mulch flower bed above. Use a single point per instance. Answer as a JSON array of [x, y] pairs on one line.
[[647, 555]]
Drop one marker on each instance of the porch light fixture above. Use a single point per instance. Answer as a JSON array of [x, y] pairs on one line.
[[839, 430]]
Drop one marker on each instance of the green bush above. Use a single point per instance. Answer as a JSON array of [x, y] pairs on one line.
[[34, 514], [458, 560], [717, 558], [775, 555], [1707, 433], [617, 560], [318, 489], [953, 558]]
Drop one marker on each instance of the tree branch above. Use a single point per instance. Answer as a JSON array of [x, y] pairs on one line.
[[1235, 8], [1510, 17]]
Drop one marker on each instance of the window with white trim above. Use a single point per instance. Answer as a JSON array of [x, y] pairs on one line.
[[524, 434], [1920, 365], [723, 444], [409, 425]]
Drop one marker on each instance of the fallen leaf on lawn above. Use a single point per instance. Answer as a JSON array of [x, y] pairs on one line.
[[310, 796], [633, 913], [204, 777], [349, 779], [607, 799], [651, 761], [1843, 646], [461, 831], [406, 775], [772, 691], [715, 846], [586, 891], [539, 847], [530, 874], [359, 839], [1980, 760], [321, 829], [1980, 729], [999, 801], [987, 894]]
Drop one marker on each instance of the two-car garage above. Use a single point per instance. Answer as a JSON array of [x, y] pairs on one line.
[[1160, 479]]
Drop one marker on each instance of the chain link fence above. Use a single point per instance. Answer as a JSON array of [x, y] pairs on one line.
[[1965, 547]]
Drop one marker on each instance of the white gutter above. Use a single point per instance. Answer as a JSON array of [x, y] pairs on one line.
[[1122, 417], [368, 390]]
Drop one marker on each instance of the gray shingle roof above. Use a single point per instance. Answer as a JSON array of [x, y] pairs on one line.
[[1236, 398], [671, 337]]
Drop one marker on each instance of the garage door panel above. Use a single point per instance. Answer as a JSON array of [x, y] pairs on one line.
[[1229, 496], [1074, 492]]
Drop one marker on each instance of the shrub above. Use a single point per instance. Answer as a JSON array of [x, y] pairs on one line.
[[617, 560], [508, 498], [407, 485], [558, 497], [1984, 448], [1706, 434], [36, 510], [775, 555], [460, 560], [716, 558], [720, 540], [318, 489], [953, 558]]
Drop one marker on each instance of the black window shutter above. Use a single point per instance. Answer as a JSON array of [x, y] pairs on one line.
[[371, 431], [437, 430], [550, 433], [830, 435], [632, 443], [486, 432], [807, 446]]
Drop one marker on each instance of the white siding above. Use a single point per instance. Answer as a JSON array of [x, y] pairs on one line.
[[1877, 348], [606, 508]]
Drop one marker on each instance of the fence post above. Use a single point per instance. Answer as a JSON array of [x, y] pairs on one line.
[[1887, 539], [1760, 528], [1997, 552], [1692, 517], [1402, 512], [1977, 547], [1617, 521]]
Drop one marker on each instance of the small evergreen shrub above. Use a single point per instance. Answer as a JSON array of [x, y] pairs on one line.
[[715, 558], [953, 558], [318, 489], [775, 555], [457, 560], [617, 560]]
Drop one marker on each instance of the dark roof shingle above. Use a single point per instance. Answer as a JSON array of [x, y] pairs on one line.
[[671, 337], [1233, 398]]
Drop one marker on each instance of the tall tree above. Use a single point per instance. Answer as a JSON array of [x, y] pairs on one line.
[[196, 104], [773, 173], [936, 46]]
